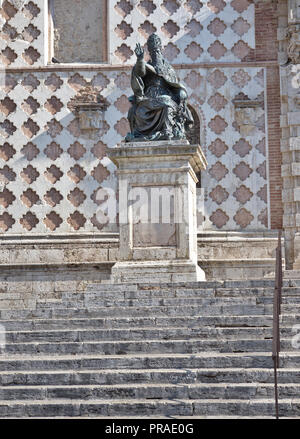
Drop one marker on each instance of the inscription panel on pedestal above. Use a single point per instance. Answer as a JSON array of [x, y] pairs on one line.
[[153, 218]]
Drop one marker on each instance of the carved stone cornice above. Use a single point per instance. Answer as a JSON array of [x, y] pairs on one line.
[[89, 106], [243, 101]]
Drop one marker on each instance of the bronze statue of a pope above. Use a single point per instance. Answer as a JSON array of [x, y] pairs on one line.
[[159, 108]]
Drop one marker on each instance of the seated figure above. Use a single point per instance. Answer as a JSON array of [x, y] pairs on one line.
[[159, 105]]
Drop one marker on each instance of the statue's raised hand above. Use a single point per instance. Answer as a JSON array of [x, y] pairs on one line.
[[139, 51]]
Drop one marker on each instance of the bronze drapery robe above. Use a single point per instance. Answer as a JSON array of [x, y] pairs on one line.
[[159, 109]]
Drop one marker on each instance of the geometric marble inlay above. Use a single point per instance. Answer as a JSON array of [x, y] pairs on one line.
[[218, 147], [242, 171], [240, 26], [242, 147], [243, 194], [193, 79], [263, 193], [193, 6], [53, 197], [219, 218], [29, 221], [76, 197], [124, 7], [30, 105], [30, 128], [7, 10], [99, 150], [262, 170], [240, 78], [193, 28], [217, 50], [243, 217], [31, 10], [6, 221], [216, 27], [7, 106], [53, 82], [52, 221], [219, 194], [53, 151], [7, 175], [240, 49], [6, 198], [76, 173], [29, 197], [217, 124], [170, 6], [171, 51], [76, 220], [217, 78], [29, 174], [218, 171], [53, 174], [240, 5], [217, 102], [7, 151], [76, 150], [216, 6], [193, 51]]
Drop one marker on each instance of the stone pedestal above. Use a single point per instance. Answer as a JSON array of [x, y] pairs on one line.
[[157, 211]]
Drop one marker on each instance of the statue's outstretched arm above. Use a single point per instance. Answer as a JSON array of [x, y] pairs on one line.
[[140, 66]]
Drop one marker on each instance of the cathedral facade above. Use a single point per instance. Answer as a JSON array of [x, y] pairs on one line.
[[64, 88]]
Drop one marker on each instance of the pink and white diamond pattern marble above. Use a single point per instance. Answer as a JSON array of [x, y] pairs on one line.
[[50, 171], [237, 163], [52, 154], [206, 31], [22, 34]]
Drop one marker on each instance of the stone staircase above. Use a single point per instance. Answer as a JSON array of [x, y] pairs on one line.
[[198, 350]]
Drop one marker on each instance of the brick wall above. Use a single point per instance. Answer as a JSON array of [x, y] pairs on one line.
[[274, 134]]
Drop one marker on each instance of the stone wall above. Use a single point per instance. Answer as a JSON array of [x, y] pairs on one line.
[[79, 30], [51, 169]]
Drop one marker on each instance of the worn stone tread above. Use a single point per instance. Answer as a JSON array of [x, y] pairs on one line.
[[199, 350]]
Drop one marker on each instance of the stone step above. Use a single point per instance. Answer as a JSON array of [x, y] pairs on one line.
[[172, 293], [135, 334], [162, 292], [144, 407], [201, 285], [144, 376], [17, 301], [151, 361], [150, 391], [183, 292], [94, 301], [85, 323], [153, 311], [146, 346], [151, 302], [196, 321]]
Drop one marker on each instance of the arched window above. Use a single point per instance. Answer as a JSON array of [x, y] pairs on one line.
[[194, 134], [77, 31]]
